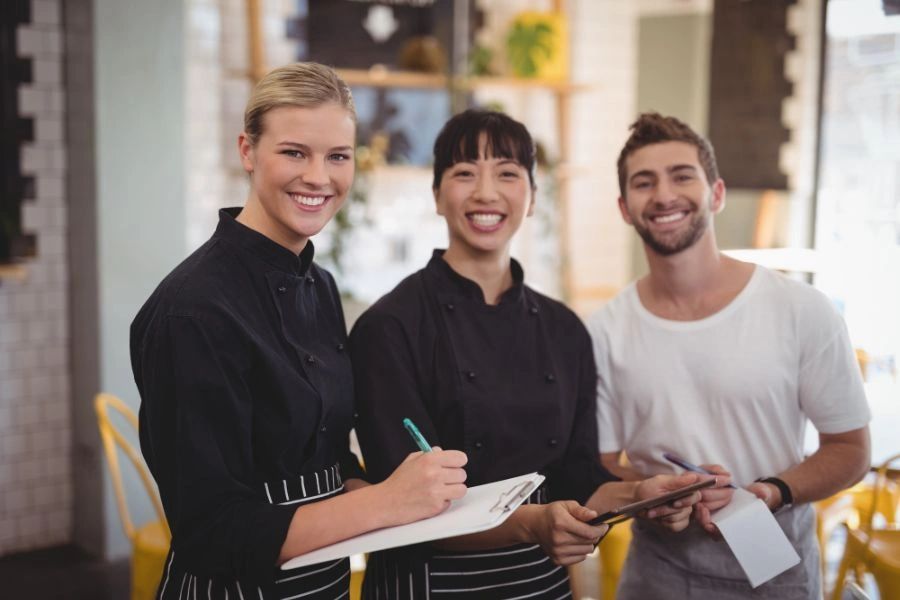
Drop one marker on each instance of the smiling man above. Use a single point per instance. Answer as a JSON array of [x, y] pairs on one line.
[[721, 362]]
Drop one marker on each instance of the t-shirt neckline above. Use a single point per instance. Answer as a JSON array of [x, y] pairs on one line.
[[697, 324]]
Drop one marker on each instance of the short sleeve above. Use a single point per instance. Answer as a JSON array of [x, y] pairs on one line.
[[609, 414], [830, 383]]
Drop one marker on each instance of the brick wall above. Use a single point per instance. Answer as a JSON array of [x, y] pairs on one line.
[[35, 425]]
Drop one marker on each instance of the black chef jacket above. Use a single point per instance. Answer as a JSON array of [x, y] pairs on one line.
[[239, 357], [512, 385]]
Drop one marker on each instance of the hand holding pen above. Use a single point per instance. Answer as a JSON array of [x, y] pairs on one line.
[[424, 484], [711, 499]]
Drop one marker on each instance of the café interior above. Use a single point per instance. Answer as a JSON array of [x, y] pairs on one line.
[[120, 125]]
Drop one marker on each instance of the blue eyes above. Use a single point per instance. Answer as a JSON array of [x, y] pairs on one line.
[[337, 157]]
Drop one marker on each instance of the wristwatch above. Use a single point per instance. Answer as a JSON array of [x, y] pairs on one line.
[[787, 498]]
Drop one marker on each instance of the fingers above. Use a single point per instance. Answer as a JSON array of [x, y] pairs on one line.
[[577, 554], [716, 498], [582, 513], [661, 484], [571, 518], [723, 477], [446, 458], [716, 469], [453, 458]]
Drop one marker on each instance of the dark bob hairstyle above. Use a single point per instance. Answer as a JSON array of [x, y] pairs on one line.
[[458, 141]]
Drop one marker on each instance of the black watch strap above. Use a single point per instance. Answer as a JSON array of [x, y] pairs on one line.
[[787, 498]]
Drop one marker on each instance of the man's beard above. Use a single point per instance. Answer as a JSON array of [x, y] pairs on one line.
[[674, 245]]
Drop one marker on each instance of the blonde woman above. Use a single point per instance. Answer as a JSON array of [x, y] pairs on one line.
[[245, 380]]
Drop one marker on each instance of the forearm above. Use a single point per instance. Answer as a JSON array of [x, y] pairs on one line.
[[341, 517], [610, 462], [612, 495], [841, 461]]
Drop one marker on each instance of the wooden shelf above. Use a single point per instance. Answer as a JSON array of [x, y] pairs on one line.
[[409, 79], [390, 79], [13, 272], [561, 86]]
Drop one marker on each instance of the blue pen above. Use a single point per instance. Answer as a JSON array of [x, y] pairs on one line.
[[417, 436], [677, 460]]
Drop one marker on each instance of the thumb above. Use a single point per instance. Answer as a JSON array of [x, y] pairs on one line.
[[760, 491], [582, 513], [685, 479]]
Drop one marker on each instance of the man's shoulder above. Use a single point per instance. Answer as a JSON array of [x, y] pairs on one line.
[[616, 312], [797, 297]]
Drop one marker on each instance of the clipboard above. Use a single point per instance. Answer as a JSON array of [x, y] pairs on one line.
[[483, 507], [628, 511]]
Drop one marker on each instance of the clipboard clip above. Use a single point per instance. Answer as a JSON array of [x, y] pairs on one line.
[[513, 496]]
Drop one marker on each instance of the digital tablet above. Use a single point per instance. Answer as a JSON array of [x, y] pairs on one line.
[[628, 511]]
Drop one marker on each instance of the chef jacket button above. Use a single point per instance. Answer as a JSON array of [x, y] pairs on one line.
[[282, 289], [451, 307], [553, 442], [355, 415], [533, 310], [549, 378], [478, 445], [310, 359], [471, 375], [340, 347], [323, 429]]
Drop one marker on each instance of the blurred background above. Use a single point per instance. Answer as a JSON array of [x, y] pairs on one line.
[[118, 145]]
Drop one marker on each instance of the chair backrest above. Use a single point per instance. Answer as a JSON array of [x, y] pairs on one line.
[[885, 492], [111, 438]]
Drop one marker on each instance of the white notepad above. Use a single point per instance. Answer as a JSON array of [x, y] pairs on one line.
[[483, 507], [755, 538]]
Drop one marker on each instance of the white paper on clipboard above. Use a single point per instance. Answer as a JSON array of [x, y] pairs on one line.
[[483, 507]]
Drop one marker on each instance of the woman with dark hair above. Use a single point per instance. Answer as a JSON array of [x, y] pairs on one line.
[[246, 388], [484, 364]]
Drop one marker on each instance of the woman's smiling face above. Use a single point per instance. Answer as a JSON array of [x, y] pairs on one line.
[[301, 169], [484, 201]]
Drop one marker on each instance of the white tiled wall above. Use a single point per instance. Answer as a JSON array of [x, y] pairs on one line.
[[35, 424], [217, 90]]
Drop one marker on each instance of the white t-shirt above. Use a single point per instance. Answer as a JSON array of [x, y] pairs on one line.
[[735, 388]]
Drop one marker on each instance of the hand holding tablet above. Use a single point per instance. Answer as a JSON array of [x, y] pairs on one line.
[[623, 513]]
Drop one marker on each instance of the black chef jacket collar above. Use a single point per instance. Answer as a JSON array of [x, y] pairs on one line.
[[469, 289], [259, 245]]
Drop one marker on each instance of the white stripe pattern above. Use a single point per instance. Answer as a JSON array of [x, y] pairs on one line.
[[336, 581], [308, 573], [491, 554], [497, 570], [488, 587]]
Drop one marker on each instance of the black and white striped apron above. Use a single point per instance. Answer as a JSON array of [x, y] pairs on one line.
[[423, 573], [327, 581]]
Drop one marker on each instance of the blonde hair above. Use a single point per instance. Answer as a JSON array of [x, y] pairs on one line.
[[301, 84]]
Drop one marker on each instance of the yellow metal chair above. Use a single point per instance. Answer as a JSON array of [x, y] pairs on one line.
[[150, 542], [852, 506], [871, 549], [613, 551]]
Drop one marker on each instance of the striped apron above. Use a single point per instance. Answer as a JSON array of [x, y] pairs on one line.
[[327, 581], [423, 572]]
